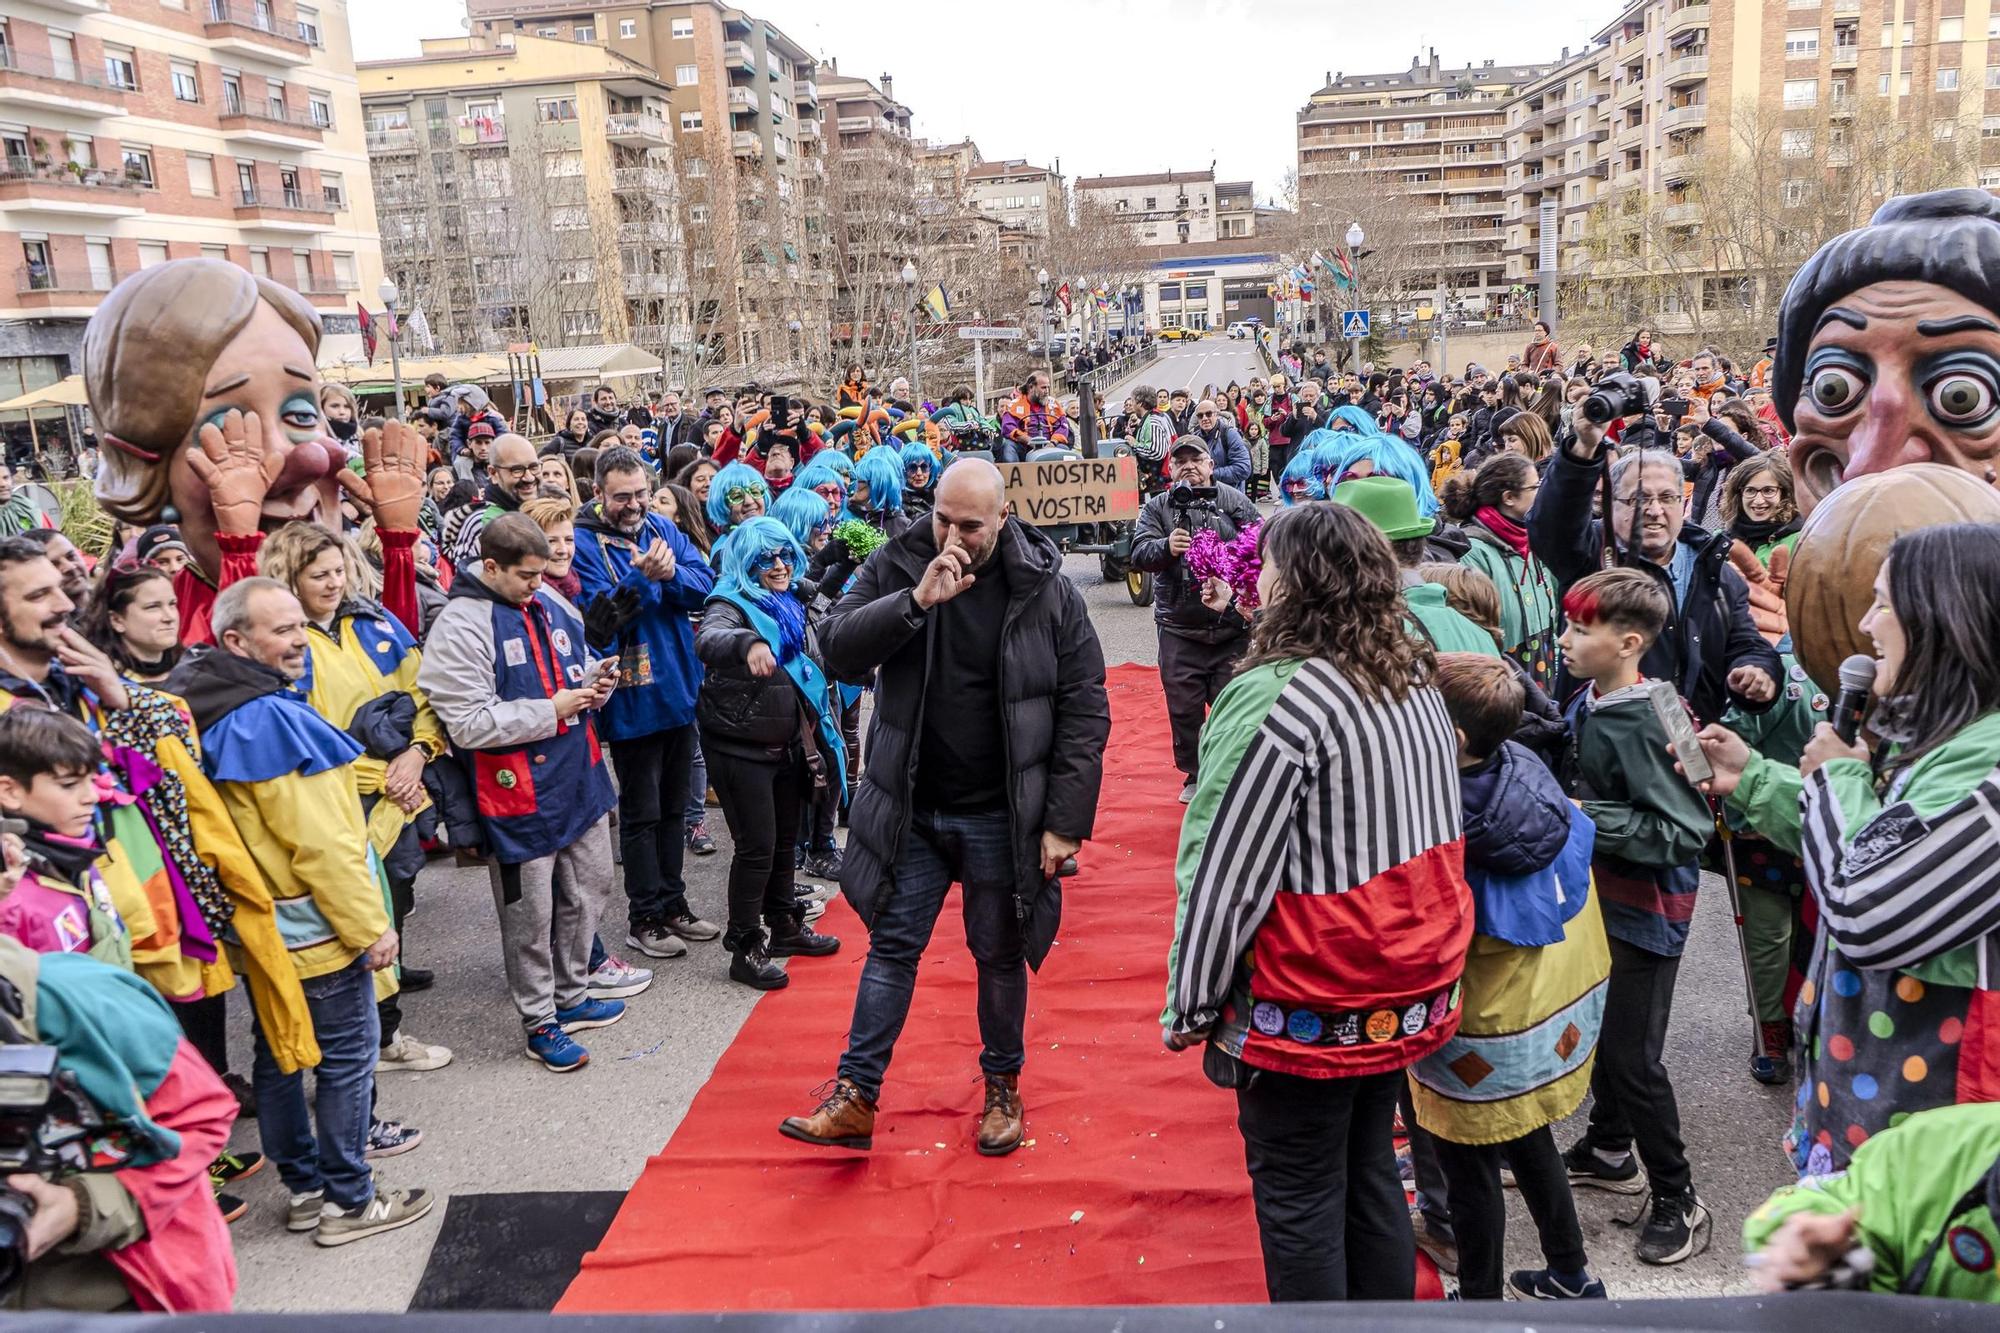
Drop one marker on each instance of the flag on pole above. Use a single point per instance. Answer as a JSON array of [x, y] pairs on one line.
[[1063, 295], [937, 303], [389, 324], [367, 322], [1343, 269], [420, 328]]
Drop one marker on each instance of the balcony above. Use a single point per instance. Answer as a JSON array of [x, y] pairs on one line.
[[480, 131], [742, 100], [90, 192], [1690, 117], [402, 139], [637, 128], [808, 129], [658, 231], [1629, 136], [279, 129], [1628, 93], [283, 210], [805, 91], [40, 288], [738, 55], [1677, 167], [1841, 108], [1627, 179], [1688, 18], [653, 284], [248, 29], [1681, 215], [1846, 55], [78, 6], [642, 180], [1688, 69], [56, 85], [746, 143]]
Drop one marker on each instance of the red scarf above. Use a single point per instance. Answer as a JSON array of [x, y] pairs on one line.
[[1506, 529]]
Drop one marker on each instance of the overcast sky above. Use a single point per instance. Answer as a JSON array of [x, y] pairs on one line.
[[1113, 87]]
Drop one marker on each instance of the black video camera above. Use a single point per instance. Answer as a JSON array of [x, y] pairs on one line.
[[49, 1128], [1615, 396]]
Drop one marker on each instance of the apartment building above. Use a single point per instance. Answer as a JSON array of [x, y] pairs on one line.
[[528, 193], [1024, 199], [1558, 154], [1422, 155], [1165, 208], [873, 211], [744, 112], [137, 134]]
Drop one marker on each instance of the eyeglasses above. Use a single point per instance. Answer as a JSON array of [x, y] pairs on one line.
[[1666, 501], [515, 469], [775, 556], [736, 495], [1204, 416], [1762, 492]]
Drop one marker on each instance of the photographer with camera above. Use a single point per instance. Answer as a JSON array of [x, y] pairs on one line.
[[1198, 646], [93, 1057], [1710, 648]]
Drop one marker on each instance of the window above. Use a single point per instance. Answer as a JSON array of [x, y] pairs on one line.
[[215, 252], [569, 218], [628, 28], [1989, 127], [321, 108], [1152, 203], [201, 174], [1801, 42], [585, 32], [119, 70], [550, 33], [1796, 143], [698, 214], [1902, 85], [308, 25], [1947, 80], [690, 120], [152, 253], [694, 170], [62, 56], [232, 95], [1942, 130], [1951, 30], [139, 166], [274, 97], [1801, 92], [1889, 34], [187, 82], [1993, 76], [344, 276], [549, 110], [683, 28], [334, 186], [686, 76], [1989, 178], [260, 261]]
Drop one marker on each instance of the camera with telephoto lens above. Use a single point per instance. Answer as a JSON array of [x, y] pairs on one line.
[[1615, 396], [48, 1128]]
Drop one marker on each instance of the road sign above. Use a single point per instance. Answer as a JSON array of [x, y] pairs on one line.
[[983, 334], [1354, 323]]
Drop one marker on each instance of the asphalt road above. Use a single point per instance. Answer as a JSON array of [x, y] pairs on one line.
[[1194, 366], [494, 1121]]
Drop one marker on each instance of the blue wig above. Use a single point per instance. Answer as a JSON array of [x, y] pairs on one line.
[[882, 470], [915, 452], [736, 476], [819, 473], [1354, 419], [803, 512], [1391, 458], [744, 557], [1302, 468]]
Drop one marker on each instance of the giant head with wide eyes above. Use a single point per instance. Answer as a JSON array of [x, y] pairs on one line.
[[1889, 344], [199, 342]]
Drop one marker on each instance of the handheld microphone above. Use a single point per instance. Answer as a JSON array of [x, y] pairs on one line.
[[1857, 676]]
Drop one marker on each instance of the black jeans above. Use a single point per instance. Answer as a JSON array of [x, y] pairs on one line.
[[206, 1025], [1479, 1208], [759, 798], [402, 897], [976, 851], [1330, 1210], [1192, 674], [652, 830], [1633, 1104]]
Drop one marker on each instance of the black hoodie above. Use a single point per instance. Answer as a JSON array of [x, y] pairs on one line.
[[215, 683]]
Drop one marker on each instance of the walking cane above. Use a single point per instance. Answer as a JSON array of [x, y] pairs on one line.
[[1728, 840]]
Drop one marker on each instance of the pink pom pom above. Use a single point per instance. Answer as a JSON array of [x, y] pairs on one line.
[[1234, 562]]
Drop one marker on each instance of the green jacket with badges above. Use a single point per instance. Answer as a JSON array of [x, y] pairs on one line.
[[1926, 1190], [1443, 625]]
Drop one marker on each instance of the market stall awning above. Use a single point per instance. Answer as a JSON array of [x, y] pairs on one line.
[[597, 361], [477, 368], [63, 393]]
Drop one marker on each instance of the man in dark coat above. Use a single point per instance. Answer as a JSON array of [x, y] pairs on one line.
[[1710, 648], [984, 760]]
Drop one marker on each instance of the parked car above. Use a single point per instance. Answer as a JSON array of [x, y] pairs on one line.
[[1174, 335], [1240, 329]]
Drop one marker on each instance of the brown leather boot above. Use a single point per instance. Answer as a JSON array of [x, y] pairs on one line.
[[1000, 1119], [845, 1119]]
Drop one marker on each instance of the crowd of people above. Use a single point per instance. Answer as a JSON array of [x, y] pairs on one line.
[[1421, 698]]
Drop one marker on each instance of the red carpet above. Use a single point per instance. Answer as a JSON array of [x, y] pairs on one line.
[[1130, 1189]]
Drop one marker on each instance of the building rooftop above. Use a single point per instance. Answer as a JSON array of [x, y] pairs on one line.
[[1013, 166], [468, 61], [1156, 178], [1431, 73]]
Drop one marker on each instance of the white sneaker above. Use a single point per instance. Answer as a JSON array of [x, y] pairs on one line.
[[1187, 793], [617, 979], [406, 1053], [656, 941]]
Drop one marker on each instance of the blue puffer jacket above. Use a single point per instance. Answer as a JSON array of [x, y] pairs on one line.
[[659, 675], [1524, 842]]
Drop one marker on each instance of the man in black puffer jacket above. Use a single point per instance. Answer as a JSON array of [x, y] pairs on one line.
[[1198, 647], [984, 760]]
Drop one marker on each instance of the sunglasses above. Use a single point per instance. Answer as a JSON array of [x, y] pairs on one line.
[[775, 556], [736, 495]]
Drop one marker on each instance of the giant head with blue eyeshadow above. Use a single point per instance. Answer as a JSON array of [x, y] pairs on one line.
[[1889, 344], [202, 378]]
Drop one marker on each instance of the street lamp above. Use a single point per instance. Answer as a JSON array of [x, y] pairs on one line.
[[1355, 237], [387, 291], [1048, 352], [910, 305]]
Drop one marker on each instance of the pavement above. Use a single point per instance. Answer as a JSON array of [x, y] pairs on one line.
[[1194, 366], [495, 1121]]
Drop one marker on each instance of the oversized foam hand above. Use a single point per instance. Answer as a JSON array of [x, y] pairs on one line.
[[393, 489], [239, 465]]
